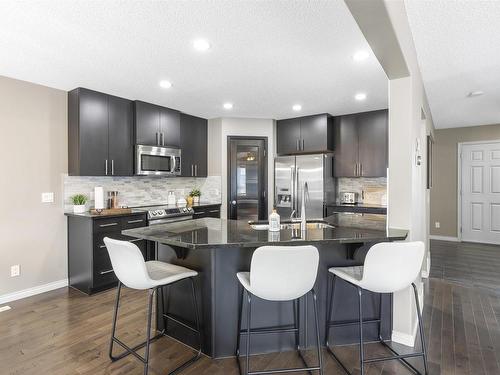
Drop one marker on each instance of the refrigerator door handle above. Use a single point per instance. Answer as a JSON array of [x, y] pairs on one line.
[[297, 192]]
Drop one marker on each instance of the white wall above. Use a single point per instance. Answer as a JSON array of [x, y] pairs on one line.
[[218, 131]]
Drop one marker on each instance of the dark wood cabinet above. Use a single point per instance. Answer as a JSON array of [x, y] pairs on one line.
[[89, 266], [155, 125], [94, 146], [361, 144], [193, 142], [206, 211], [307, 134]]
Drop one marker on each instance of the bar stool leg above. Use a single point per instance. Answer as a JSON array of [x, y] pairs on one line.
[[316, 322], [148, 330], [421, 328], [329, 301], [361, 351], [249, 318], [115, 314]]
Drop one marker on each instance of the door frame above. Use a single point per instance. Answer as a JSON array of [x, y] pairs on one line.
[[228, 171], [459, 180]]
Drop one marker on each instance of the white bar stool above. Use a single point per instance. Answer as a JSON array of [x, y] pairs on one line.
[[279, 273], [388, 268], [132, 271]]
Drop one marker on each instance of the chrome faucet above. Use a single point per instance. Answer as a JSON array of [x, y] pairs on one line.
[[305, 193]]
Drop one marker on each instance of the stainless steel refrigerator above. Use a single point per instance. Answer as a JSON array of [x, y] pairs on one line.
[[290, 174]]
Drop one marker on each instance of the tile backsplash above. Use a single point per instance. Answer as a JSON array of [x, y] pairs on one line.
[[370, 190], [141, 191]]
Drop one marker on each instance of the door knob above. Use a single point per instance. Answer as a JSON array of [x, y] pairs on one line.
[[233, 203]]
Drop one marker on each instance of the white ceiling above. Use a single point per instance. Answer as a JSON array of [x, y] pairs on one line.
[[265, 56], [458, 48]]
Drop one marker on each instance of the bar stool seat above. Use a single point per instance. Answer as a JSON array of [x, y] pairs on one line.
[[388, 268], [162, 273], [132, 271], [279, 274]]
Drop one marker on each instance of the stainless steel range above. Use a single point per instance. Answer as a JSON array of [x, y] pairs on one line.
[[168, 214]]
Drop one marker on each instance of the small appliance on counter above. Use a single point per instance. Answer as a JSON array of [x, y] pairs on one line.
[[349, 197]]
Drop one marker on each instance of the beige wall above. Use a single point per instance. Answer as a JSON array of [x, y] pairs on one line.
[[33, 151], [444, 199]]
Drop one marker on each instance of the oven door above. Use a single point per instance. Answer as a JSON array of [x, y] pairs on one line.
[[157, 161]]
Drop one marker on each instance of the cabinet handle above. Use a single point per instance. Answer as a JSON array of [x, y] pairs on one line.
[[135, 221], [360, 169], [112, 167], [136, 240], [196, 170], [214, 211], [108, 225], [157, 141], [303, 145], [355, 169], [105, 272], [192, 170], [162, 139], [297, 146], [106, 165]]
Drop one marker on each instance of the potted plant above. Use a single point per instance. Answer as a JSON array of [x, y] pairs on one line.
[[195, 193], [79, 201]]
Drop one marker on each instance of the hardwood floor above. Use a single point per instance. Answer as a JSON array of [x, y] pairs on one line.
[[65, 332]]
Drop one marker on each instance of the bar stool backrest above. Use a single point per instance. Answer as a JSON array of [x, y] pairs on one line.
[[392, 266], [283, 273], [128, 264]]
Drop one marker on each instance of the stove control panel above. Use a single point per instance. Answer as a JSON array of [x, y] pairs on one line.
[[161, 213]]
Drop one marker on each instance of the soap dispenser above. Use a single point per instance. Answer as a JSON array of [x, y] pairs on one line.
[[274, 221]]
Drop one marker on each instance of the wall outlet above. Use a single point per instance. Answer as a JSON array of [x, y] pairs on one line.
[[437, 225], [47, 197], [15, 270]]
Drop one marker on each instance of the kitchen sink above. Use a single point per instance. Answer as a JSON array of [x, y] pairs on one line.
[[294, 226]]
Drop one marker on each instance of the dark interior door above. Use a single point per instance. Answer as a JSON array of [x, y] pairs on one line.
[[247, 178], [346, 146], [121, 151], [372, 138]]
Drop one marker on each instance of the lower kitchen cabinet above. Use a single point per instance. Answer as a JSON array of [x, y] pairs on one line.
[[89, 266], [206, 211]]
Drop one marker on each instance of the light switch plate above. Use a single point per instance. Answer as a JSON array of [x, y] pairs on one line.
[[437, 224], [47, 197], [15, 270]]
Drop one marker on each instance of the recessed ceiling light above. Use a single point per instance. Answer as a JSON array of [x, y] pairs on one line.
[[165, 84], [201, 45], [360, 55], [475, 93], [297, 107], [228, 105], [360, 96]]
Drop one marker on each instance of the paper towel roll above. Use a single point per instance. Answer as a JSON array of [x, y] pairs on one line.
[[99, 198]]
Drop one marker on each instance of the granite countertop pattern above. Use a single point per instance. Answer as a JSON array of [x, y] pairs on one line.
[[360, 207], [212, 232], [136, 210]]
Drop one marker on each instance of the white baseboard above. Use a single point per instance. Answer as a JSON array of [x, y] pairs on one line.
[[9, 297], [405, 338], [444, 238]]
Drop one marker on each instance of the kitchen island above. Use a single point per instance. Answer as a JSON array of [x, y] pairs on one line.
[[219, 248]]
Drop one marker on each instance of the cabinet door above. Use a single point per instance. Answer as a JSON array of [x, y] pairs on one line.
[[121, 150], [288, 134], [170, 127], [93, 133], [147, 124], [372, 139], [346, 146], [193, 146], [314, 133]]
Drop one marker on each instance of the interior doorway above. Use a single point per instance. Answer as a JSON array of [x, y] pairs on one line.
[[247, 178], [479, 192]]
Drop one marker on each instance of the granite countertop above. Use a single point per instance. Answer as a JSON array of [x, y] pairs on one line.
[[137, 210], [359, 207], [212, 232]]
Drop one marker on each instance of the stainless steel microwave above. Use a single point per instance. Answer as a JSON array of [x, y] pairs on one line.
[[157, 161]]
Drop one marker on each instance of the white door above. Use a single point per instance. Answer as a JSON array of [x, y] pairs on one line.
[[481, 192]]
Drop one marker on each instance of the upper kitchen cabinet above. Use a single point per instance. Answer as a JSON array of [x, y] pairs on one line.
[[99, 134], [307, 134], [361, 144], [156, 126], [194, 133]]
